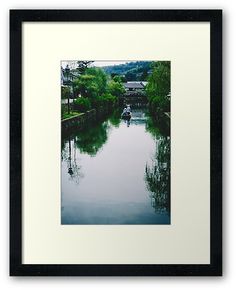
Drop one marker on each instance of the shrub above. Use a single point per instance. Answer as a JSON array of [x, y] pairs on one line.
[[159, 104], [108, 99], [65, 92], [82, 104], [116, 88]]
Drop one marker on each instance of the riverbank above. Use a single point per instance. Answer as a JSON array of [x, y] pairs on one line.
[[80, 121]]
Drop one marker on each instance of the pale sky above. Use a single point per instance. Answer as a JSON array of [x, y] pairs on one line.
[[106, 63], [95, 63]]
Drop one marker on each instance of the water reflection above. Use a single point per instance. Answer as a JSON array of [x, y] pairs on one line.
[[157, 176], [69, 156], [92, 139], [115, 119], [116, 172]]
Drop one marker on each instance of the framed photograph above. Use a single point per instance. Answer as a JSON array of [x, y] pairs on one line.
[[116, 142]]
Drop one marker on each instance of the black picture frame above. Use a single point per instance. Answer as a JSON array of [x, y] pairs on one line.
[[17, 17]]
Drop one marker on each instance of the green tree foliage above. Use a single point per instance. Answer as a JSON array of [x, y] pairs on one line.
[[106, 101], [93, 88], [65, 92], [133, 71], [157, 176], [144, 74], [91, 84], [82, 66], [158, 88], [115, 118], [116, 88], [82, 104], [91, 139], [119, 78], [159, 80], [131, 75]]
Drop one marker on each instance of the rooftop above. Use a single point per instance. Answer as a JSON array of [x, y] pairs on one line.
[[135, 85]]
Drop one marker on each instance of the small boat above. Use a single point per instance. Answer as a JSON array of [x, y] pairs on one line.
[[126, 116]]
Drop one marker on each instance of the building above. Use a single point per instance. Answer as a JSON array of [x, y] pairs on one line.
[[68, 75], [137, 86], [135, 93]]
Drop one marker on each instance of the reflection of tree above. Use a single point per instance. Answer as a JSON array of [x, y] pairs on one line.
[[158, 126], [115, 118], [157, 176], [69, 155], [91, 140]]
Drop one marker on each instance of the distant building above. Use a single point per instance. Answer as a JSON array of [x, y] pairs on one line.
[[136, 86], [135, 89], [68, 75], [135, 93], [63, 79]]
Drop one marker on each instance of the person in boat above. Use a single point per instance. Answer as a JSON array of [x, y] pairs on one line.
[[124, 111], [128, 109], [126, 114]]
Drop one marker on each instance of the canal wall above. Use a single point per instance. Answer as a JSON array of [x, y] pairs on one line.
[[79, 122]]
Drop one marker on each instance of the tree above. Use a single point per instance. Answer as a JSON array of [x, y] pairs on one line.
[[116, 88], [144, 75], [119, 78], [91, 84], [130, 75], [82, 66], [159, 80], [84, 85], [158, 88], [65, 92], [82, 104]]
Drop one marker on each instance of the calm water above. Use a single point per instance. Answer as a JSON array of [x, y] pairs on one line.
[[116, 172]]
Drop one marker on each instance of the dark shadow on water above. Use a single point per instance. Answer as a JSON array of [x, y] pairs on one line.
[[89, 140], [92, 138], [69, 155], [95, 135], [157, 175]]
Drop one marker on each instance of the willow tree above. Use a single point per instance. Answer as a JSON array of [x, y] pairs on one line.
[[91, 84], [158, 88]]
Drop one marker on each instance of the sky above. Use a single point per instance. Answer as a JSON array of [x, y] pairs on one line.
[[106, 63], [97, 63]]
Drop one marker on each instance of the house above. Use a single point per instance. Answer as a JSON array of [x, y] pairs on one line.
[[68, 75], [135, 89], [137, 86]]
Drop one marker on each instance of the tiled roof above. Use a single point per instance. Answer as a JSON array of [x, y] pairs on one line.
[[134, 85]]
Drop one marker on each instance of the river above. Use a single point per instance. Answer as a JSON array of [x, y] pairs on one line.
[[116, 172]]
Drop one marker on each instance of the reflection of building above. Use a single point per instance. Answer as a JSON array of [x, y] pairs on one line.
[[69, 156], [138, 117], [135, 93]]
